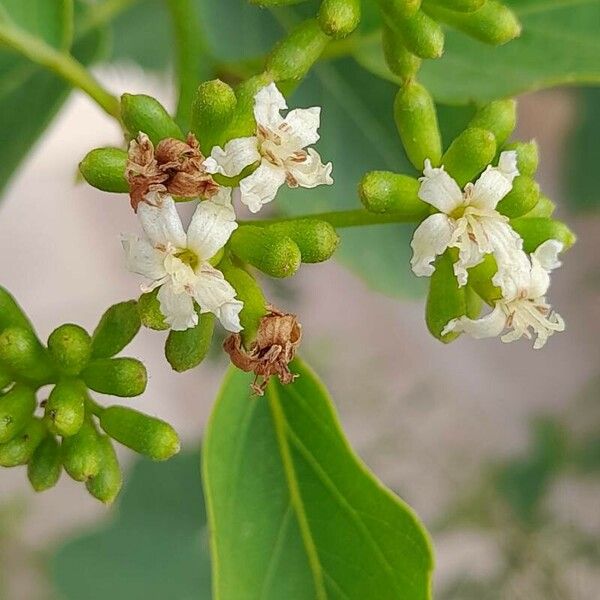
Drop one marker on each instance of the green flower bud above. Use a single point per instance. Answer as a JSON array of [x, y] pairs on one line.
[[493, 23], [537, 230], [82, 453], [293, 56], [480, 280], [22, 353], [149, 436], [10, 312], [499, 117], [187, 349], [65, 408], [387, 192], [469, 154], [275, 255], [521, 199], [6, 377], [149, 310], [70, 347], [125, 377], [104, 169], [473, 302], [212, 110], [399, 9], [420, 34], [399, 59], [45, 466], [16, 410], [527, 156], [416, 120], [339, 18], [459, 5], [445, 301], [544, 208], [249, 292], [117, 327], [106, 484], [146, 114], [20, 449]]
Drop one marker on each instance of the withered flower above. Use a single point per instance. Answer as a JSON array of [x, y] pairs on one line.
[[278, 338]]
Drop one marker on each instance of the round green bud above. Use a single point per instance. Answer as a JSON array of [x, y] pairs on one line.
[[117, 327], [275, 255], [45, 466], [544, 208], [65, 408], [339, 18], [527, 156], [387, 192], [149, 311], [499, 117], [469, 154], [317, 240], [104, 169], [16, 410], [420, 34], [10, 312], [82, 453], [6, 377], [106, 484], [293, 56], [399, 9], [149, 436], [20, 449], [416, 120], [22, 353], [521, 199], [187, 349], [141, 113], [124, 377], [459, 5], [537, 230], [70, 347], [399, 59], [480, 280], [473, 302]]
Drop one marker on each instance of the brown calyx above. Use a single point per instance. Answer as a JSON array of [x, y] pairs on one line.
[[276, 343], [174, 167]]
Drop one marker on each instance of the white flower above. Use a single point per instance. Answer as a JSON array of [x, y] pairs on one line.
[[467, 220], [179, 264], [280, 147], [523, 309]]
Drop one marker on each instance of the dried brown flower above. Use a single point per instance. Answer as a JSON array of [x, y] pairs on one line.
[[278, 338]]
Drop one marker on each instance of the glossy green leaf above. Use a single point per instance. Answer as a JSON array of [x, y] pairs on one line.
[[293, 512]]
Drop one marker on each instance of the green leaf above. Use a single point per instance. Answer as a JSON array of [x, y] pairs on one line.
[[293, 512], [155, 548], [559, 46]]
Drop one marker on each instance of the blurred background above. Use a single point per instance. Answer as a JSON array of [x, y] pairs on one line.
[[497, 447]]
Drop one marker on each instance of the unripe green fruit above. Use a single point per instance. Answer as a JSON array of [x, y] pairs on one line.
[[82, 453], [117, 327], [293, 56], [10, 312], [22, 353], [459, 5], [20, 449], [104, 169], [141, 113], [6, 377], [106, 484], [65, 408], [125, 377], [45, 466], [70, 346], [149, 311], [399, 59], [499, 117], [480, 280], [544, 208], [317, 240], [521, 199], [493, 23], [469, 154], [420, 34], [149, 436], [399, 9], [527, 156], [187, 349], [416, 120], [538, 230], [16, 410], [339, 18], [275, 255], [387, 192]]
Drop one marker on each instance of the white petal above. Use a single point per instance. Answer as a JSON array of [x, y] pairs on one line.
[[161, 222], [547, 254], [211, 226], [431, 238], [268, 103], [177, 308], [301, 125], [491, 325], [439, 189], [507, 165], [539, 279], [143, 258], [261, 186], [310, 173], [237, 155], [489, 189]]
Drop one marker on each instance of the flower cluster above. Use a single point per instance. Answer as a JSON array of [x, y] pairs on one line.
[[468, 221]]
